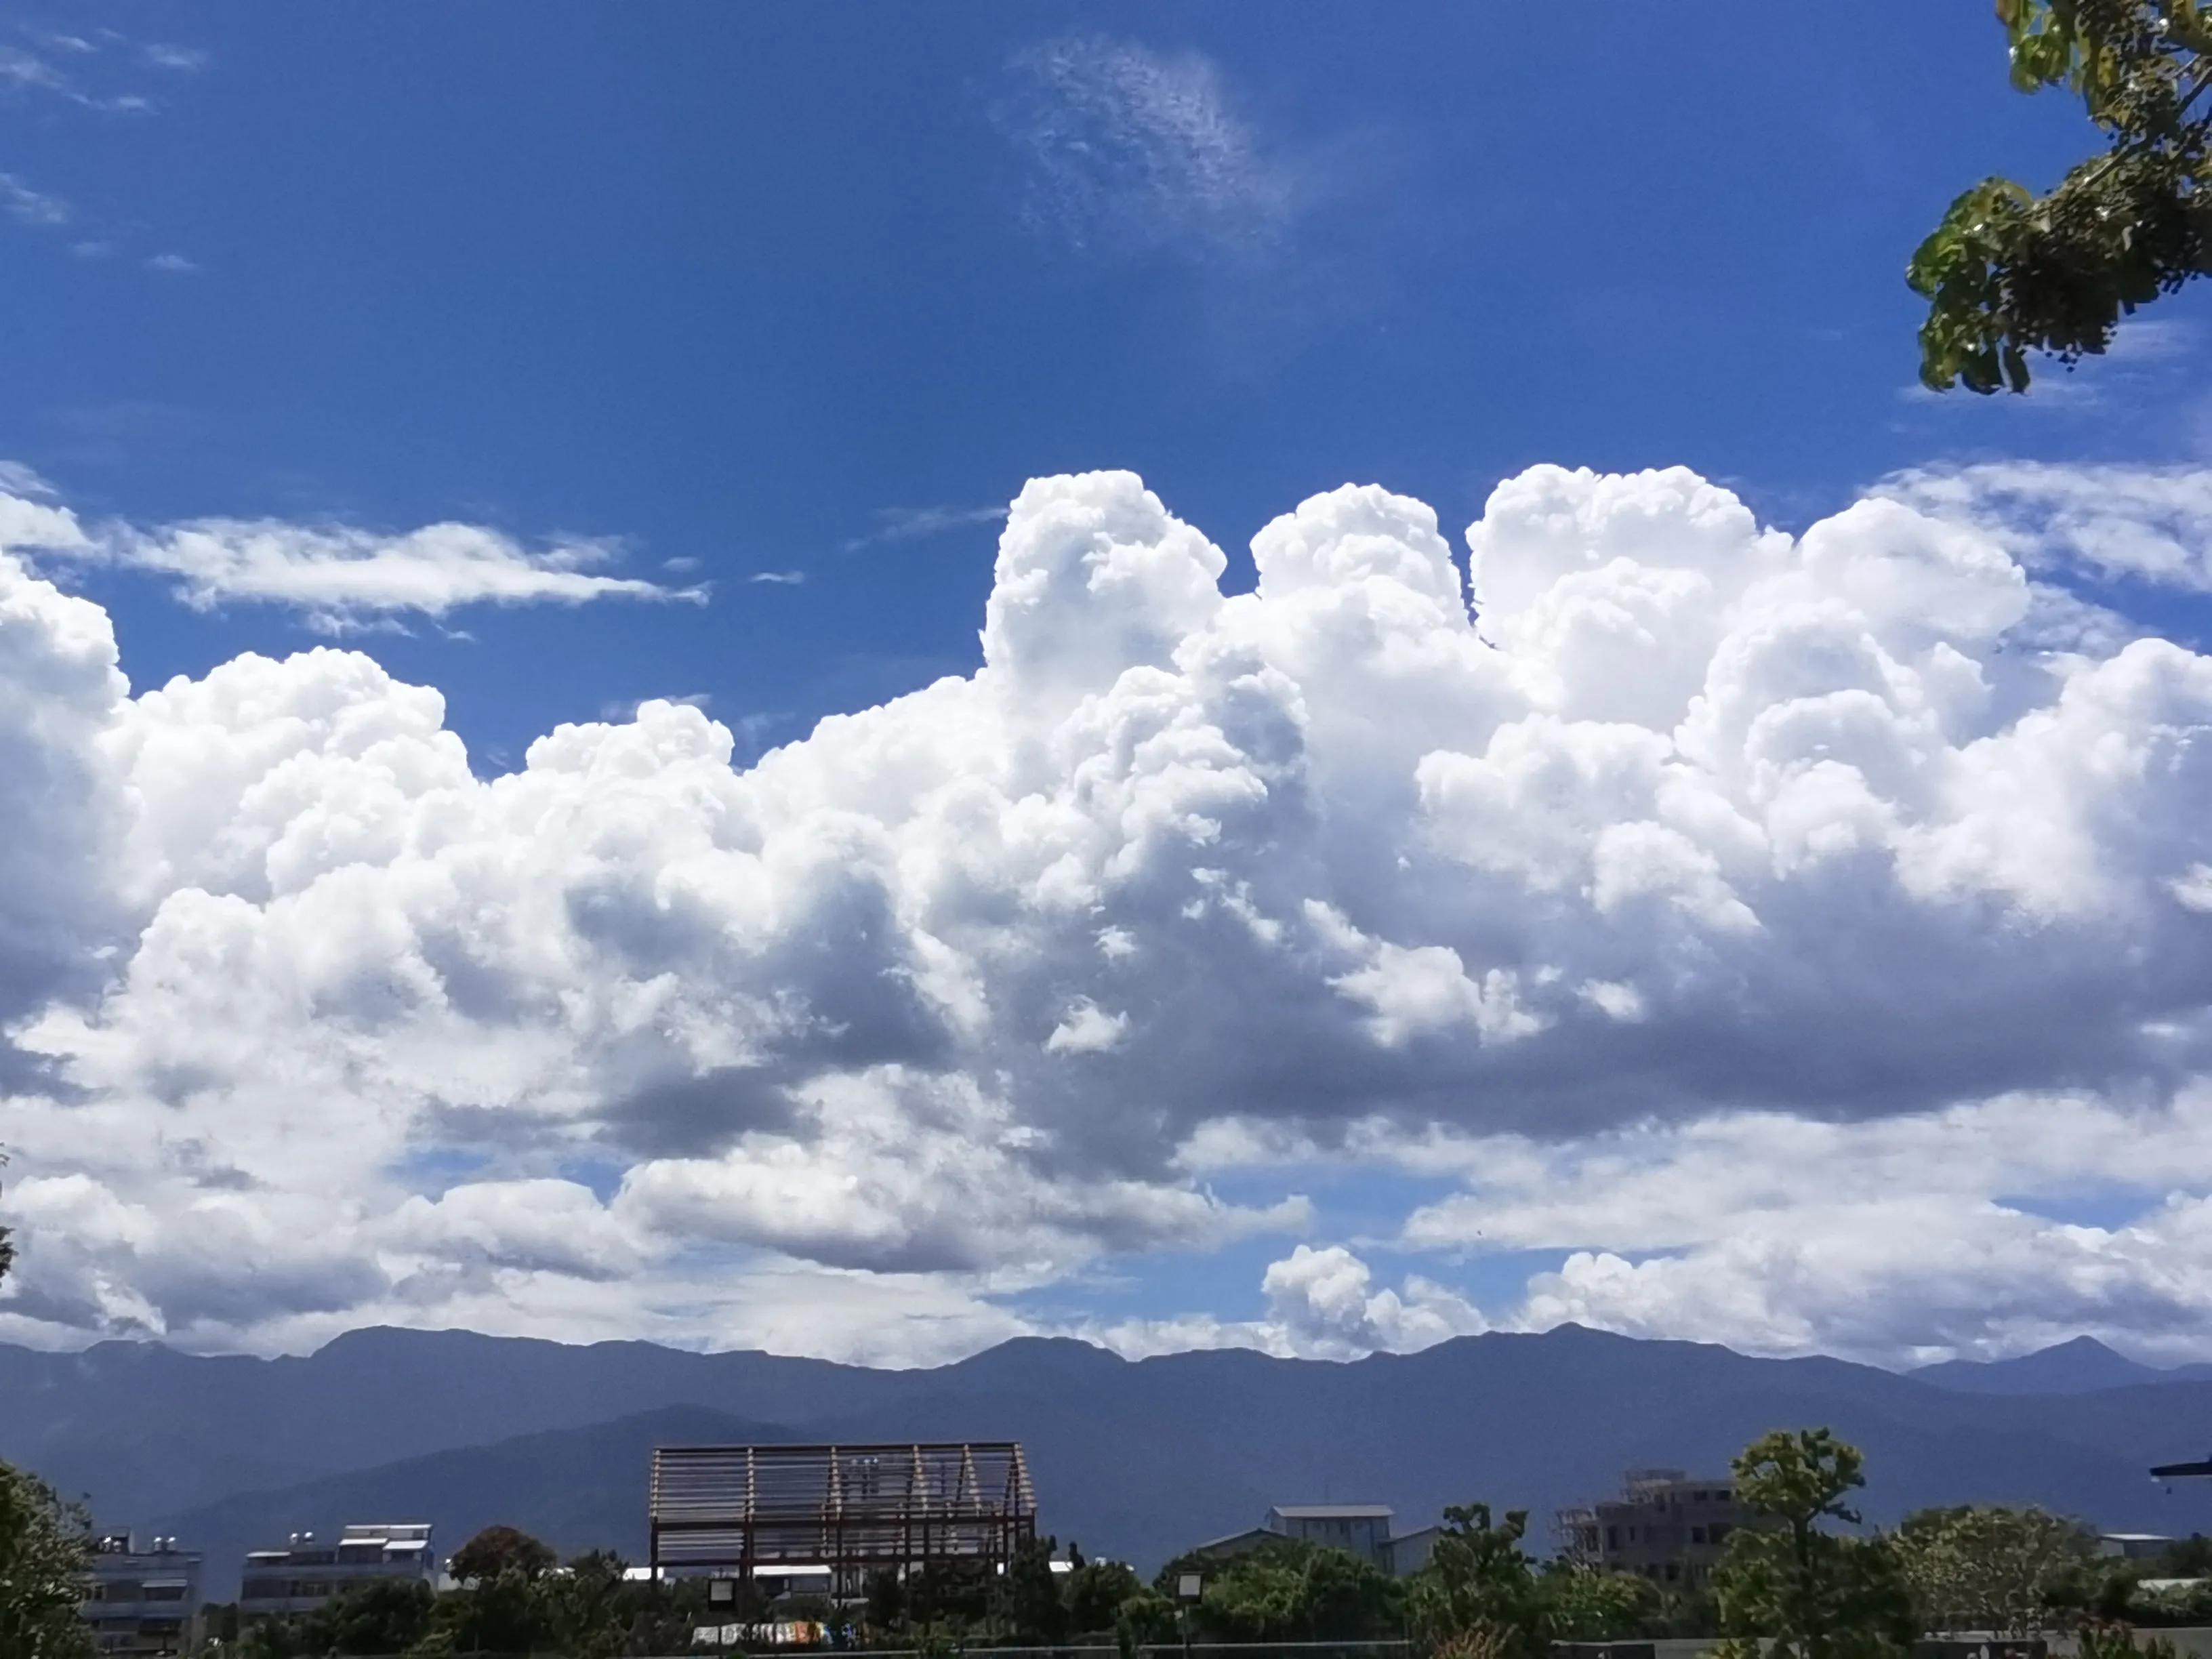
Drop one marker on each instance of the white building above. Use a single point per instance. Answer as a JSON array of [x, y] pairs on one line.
[[309, 1571], [2134, 1545], [141, 1602]]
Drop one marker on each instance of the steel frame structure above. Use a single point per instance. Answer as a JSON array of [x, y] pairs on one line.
[[853, 1509]]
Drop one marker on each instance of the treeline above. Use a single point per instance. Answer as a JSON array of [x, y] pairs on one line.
[[1805, 1581]]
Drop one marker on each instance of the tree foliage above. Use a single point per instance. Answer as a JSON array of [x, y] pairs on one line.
[[44, 1544], [1587, 1604], [2008, 271], [1989, 1568], [584, 1610], [1028, 1597], [1790, 1582], [7, 1245], [499, 1551], [1096, 1592], [1478, 1597], [1287, 1590], [377, 1616]]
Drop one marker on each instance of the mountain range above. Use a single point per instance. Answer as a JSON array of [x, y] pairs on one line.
[[2072, 1367], [1132, 1459]]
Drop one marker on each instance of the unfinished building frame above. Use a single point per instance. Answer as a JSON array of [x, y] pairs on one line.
[[855, 1510]]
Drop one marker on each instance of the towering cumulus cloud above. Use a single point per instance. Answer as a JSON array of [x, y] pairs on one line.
[[1683, 836]]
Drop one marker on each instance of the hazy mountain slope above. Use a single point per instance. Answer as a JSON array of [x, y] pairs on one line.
[[1139, 1459], [577, 1489], [2072, 1367], [142, 1429]]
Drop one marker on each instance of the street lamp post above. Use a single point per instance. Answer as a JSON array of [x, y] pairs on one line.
[[1189, 1588]]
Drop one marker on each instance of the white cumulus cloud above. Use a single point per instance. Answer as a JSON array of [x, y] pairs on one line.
[[1684, 844]]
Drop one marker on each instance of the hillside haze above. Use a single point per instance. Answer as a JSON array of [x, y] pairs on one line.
[[1132, 1459]]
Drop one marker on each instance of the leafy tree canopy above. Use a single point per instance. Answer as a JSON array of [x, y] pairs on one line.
[[1585, 1604], [1989, 1568], [498, 1551], [1096, 1591], [1028, 1597], [379, 1616], [7, 1248], [2008, 271], [1287, 1590], [1479, 1596], [44, 1544], [1790, 1583]]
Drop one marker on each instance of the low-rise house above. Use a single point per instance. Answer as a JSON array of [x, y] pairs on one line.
[[2134, 1545], [140, 1603], [1410, 1551], [1360, 1530]]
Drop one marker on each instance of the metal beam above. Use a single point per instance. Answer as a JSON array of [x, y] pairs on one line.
[[842, 1506], [2181, 1471]]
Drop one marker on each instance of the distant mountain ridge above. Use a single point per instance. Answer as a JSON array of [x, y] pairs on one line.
[[1136, 1459], [2074, 1367]]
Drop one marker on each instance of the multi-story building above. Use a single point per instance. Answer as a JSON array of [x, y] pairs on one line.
[[141, 1602], [1665, 1526], [1360, 1530], [308, 1571]]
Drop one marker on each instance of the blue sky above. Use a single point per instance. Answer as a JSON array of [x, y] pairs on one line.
[[1391, 985], [727, 283]]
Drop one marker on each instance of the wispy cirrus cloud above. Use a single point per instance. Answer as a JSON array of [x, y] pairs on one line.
[[342, 577], [2152, 361], [179, 60], [92, 70], [29, 206], [1131, 151], [100, 72], [16, 478], [911, 524], [2144, 524], [778, 578], [24, 73]]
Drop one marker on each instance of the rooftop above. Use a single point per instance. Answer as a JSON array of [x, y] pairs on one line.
[[1334, 1511]]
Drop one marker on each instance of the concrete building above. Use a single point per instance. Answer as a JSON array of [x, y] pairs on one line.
[[142, 1602], [1665, 1526], [309, 1571], [1360, 1530], [1409, 1551], [2134, 1545]]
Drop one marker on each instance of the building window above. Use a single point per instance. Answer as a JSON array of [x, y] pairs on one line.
[[1697, 1535], [1613, 1538], [1674, 1572]]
